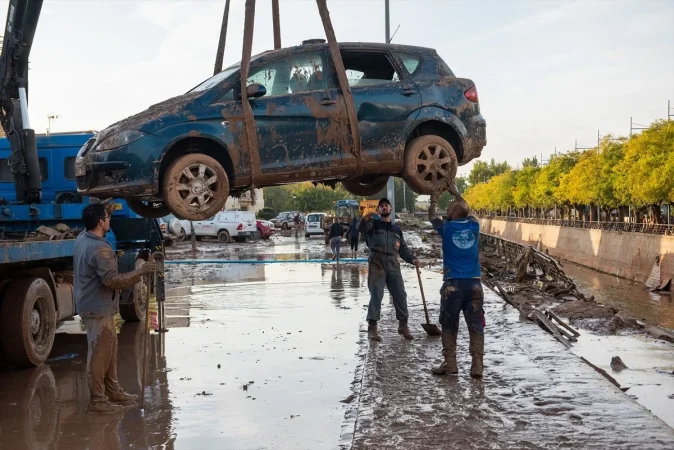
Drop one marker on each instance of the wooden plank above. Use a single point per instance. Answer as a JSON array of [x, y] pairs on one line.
[[562, 323], [602, 371], [248, 118], [539, 317], [509, 299]]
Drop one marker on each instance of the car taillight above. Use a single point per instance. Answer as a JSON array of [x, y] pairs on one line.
[[240, 227], [471, 94]]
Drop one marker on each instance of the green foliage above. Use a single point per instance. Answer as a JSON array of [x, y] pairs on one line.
[[446, 197], [525, 180], [267, 213], [483, 172], [304, 197], [398, 186], [530, 162]]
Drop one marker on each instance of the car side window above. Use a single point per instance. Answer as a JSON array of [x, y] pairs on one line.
[[411, 62], [297, 73], [368, 68]]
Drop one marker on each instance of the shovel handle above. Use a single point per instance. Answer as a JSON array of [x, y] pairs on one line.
[[146, 336], [423, 297]]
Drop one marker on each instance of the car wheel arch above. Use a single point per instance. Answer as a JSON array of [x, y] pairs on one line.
[[205, 145], [445, 127]]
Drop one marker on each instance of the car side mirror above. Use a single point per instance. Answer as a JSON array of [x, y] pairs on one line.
[[256, 90]]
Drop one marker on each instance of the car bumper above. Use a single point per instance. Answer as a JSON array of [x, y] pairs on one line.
[[130, 170], [246, 234], [476, 138]]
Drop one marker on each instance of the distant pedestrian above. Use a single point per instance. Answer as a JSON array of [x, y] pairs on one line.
[[97, 282], [385, 241], [336, 233], [353, 236], [298, 221], [462, 287]]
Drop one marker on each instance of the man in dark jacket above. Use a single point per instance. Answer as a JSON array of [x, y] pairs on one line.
[[97, 282], [385, 241], [336, 233], [462, 288], [353, 236]]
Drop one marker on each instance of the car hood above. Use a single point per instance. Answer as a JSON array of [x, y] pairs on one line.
[[157, 116]]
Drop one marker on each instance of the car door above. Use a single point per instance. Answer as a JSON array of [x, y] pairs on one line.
[[301, 121], [383, 101]]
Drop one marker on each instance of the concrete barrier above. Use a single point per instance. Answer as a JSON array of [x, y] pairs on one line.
[[624, 254]]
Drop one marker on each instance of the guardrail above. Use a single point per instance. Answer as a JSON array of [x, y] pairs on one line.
[[648, 228]]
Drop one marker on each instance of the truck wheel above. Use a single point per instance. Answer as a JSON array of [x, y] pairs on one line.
[[223, 236], [430, 163], [135, 311], [27, 322], [195, 187], [365, 186], [149, 209]]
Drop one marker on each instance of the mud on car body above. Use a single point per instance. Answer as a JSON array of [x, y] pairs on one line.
[[184, 156]]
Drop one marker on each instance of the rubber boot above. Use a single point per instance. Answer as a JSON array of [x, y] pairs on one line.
[[449, 353], [122, 398], [372, 332], [105, 407], [476, 352], [404, 330]]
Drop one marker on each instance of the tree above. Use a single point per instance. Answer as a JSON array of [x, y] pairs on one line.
[[525, 180], [544, 193], [483, 172], [446, 197], [398, 186], [530, 162]]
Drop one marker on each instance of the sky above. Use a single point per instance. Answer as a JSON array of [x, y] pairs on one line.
[[548, 73]]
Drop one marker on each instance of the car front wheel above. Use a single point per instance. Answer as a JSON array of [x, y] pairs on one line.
[[365, 185], [195, 187], [430, 164]]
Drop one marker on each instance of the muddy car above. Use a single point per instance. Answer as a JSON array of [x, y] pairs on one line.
[[416, 120]]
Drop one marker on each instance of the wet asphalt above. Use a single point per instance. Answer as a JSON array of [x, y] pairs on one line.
[[262, 356]]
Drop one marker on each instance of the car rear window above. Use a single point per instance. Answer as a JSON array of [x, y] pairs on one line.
[[314, 218]]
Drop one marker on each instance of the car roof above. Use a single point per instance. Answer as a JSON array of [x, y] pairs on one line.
[[271, 54]]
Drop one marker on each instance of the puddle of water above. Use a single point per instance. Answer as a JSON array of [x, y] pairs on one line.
[[285, 338], [631, 297]]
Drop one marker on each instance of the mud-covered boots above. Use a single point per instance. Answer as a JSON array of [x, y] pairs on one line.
[[476, 352], [404, 330], [372, 332], [449, 353]]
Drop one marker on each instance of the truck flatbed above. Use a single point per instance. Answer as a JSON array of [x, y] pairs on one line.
[[17, 252]]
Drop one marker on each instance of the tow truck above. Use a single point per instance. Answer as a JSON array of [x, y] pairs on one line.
[[41, 213]]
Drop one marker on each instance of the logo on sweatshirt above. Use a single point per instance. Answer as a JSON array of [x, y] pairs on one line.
[[463, 239]]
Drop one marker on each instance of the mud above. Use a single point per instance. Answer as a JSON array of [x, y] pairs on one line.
[[534, 395]]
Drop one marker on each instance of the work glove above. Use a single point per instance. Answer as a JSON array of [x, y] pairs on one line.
[[149, 267]]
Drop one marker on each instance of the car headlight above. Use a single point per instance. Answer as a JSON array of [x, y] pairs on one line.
[[120, 139]]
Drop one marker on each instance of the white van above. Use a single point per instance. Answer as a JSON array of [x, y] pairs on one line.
[[314, 224], [226, 225]]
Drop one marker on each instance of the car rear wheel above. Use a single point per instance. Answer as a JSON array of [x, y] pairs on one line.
[[182, 235], [430, 164], [223, 236], [149, 209], [195, 187], [365, 185]]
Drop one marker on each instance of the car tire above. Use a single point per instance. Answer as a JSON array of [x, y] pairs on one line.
[[135, 311], [365, 186], [148, 209], [430, 163], [27, 322], [284, 226], [182, 235], [195, 172], [258, 234], [223, 236]]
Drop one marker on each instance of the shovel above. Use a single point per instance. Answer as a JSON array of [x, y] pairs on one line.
[[430, 328]]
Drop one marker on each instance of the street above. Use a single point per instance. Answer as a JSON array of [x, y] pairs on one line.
[[276, 356]]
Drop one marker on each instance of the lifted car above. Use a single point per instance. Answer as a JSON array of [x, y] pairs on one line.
[[185, 156]]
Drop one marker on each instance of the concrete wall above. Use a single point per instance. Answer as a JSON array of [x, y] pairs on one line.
[[627, 255]]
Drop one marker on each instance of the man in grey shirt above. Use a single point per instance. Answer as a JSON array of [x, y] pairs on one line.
[[97, 284]]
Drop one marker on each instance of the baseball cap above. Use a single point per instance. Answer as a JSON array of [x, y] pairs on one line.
[[383, 200]]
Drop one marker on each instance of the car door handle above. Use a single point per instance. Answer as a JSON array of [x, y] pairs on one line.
[[328, 102], [407, 91]]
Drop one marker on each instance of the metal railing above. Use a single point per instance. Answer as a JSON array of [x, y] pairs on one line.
[[648, 228]]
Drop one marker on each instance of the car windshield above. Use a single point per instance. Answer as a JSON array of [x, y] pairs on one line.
[[218, 78]]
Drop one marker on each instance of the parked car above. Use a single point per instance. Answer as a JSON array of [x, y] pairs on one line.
[[314, 224], [226, 226], [186, 155], [171, 227], [286, 220], [264, 229]]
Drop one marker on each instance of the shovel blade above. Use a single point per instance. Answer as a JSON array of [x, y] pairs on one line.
[[431, 329]]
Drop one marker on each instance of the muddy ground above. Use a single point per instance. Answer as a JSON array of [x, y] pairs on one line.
[[275, 356]]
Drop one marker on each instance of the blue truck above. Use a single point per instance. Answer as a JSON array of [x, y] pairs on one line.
[[41, 212]]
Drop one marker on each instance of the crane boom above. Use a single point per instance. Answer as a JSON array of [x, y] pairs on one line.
[[22, 19]]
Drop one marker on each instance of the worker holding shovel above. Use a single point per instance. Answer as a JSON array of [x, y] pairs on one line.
[[462, 288]]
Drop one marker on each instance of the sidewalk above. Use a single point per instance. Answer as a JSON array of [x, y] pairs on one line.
[[535, 394]]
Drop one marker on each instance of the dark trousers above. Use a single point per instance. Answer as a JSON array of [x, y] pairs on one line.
[[384, 271], [101, 358], [465, 295], [354, 244]]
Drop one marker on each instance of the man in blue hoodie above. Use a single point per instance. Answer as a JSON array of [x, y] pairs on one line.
[[462, 288]]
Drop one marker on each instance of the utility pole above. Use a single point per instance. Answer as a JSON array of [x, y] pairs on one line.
[[670, 110], [636, 126], [277, 24], [390, 186], [221, 43], [50, 117]]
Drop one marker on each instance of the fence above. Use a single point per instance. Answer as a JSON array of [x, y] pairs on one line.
[[648, 228]]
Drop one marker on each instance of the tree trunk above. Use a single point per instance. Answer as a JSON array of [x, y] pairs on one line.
[[657, 213]]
